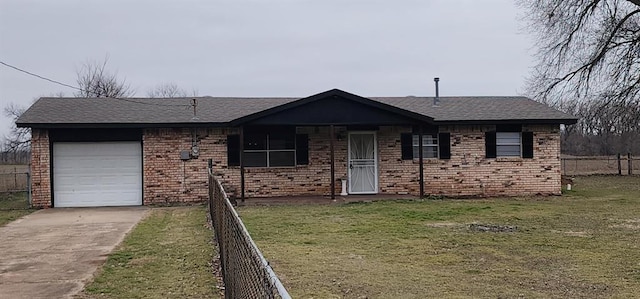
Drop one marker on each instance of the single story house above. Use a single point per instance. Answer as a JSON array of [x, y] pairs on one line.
[[139, 151]]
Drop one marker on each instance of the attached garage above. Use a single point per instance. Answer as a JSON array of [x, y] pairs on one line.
[[90, 173]]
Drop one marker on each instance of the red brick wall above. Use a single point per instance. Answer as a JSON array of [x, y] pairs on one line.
[[40, 170], [468, 172], [168, 179], [312, 179], [165, 181]]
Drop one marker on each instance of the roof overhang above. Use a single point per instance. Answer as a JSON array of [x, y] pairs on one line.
[[119, 125], [509, 122]]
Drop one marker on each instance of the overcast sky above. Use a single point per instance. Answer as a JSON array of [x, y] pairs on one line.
[[267, 48]]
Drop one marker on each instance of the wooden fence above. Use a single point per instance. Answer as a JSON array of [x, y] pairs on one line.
[[13, 158], [14, 178]]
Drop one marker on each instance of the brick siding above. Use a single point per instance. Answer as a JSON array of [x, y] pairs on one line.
[[40, 168], [168, 179]]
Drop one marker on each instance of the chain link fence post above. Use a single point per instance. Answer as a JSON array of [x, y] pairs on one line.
[[246, 273]]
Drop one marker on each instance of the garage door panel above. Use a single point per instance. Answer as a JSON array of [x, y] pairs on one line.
[[97, 174]]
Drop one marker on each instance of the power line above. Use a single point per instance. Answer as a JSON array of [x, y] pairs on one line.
[[82, 90], [38, 76]]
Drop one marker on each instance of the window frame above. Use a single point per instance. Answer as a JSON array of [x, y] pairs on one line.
[[498, 144], [526, 143], [415, 145], [267, 150]]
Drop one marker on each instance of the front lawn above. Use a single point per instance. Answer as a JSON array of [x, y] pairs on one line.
[[167, 255], [585, 244], [13, 206]]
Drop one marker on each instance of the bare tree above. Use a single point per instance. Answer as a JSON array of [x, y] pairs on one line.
[[588, 64], [95, 81], [586, 48], [18, 138], [167, 90], [604, 128]]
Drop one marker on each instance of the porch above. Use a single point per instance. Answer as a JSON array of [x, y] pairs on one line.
[[316, 142]]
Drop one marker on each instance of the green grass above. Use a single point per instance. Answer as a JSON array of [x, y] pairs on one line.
[[167, 255], [13, 206], [583, 244]]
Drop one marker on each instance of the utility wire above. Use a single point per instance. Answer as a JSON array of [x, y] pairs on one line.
[[38, 76], [82, 90]]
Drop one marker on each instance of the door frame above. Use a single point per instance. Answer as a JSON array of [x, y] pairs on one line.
[[375, 159]]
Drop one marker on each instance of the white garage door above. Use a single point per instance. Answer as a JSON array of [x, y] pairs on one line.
[[94, 174]]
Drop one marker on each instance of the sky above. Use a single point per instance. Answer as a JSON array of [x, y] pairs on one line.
[[266, 48]]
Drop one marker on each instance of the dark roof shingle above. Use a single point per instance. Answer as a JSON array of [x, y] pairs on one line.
[[133, 111]]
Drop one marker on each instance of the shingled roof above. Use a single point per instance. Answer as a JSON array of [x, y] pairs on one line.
[[59, 112]]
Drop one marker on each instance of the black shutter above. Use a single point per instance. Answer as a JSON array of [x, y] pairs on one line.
[[490, 144], [406, 143], [233, 150], [527, 144], [302, 149], [444, 142]]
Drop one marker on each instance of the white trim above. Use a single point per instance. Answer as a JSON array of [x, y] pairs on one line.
[[375, 160]]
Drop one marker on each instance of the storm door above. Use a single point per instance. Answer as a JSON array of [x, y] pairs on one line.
[[363, 165]]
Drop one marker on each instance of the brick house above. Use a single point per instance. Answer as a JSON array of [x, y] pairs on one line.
[[140, 151]]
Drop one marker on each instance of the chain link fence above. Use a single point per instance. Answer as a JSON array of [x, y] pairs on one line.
[[15, 191], [246, 273], [589, 165]]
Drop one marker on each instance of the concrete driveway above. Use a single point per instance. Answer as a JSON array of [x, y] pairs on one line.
[[52, 253]]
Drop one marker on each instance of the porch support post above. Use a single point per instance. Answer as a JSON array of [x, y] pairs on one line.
[[242, 163], [333, 162], [420, 160]]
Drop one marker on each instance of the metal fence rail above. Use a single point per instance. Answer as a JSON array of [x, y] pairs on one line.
[[245, 271]]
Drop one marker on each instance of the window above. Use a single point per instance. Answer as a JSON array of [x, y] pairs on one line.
[[276, 148], [273, 149], [429, 146], [433, 146], [509, 141], [508, 144]]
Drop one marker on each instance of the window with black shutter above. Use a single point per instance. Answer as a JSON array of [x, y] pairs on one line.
[[509, 141], [274, 147], [490, 144], [436, 145], [406, 143], [444, 143], [527, 145], [233, 150], [302, 149]]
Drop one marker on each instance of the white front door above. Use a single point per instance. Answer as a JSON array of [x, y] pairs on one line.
[[363, 163]]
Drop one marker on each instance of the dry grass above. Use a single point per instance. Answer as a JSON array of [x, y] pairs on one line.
[[582, 245], [13, 206], [167, 255]]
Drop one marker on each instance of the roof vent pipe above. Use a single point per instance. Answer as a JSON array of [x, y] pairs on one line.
[[436, 100]]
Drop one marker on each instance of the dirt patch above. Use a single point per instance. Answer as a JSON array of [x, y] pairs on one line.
[[444, 224], [567, 288], [633, 224], [492, 228], [573, 233]]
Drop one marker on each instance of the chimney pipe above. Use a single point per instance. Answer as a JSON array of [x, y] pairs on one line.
[[436, 100]]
